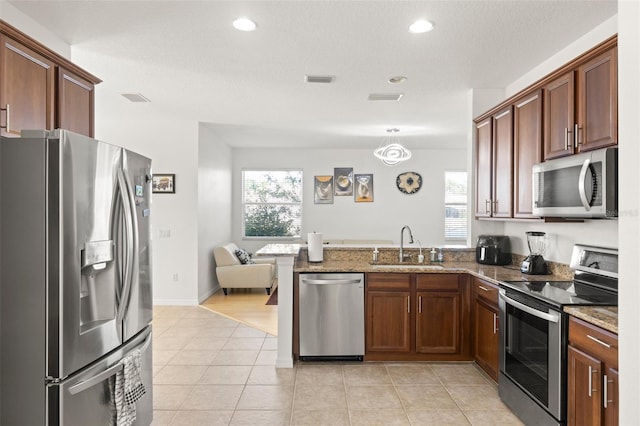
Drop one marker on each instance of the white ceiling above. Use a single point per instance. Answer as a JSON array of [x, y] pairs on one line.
[[188, 60]]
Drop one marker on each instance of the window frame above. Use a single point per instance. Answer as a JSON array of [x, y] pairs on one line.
[[243, 204], [464, 203]]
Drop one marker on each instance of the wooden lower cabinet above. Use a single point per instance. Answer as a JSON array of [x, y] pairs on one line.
[[592, 375], [388, 321], [417, 317], [485, 326]]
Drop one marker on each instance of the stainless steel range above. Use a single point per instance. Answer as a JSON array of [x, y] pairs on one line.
[[534, 333]]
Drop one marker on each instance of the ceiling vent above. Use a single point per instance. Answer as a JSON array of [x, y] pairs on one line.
[[135, 97], [385, 96], [319, 79]]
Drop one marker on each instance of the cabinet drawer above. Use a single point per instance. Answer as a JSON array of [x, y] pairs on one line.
[[389, 281], [486, 291], [594, 340], [446, 282]]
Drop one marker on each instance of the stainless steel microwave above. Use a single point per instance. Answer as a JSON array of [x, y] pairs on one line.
[[582, 185]]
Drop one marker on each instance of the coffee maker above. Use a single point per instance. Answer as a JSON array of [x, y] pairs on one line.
[[534, 264]]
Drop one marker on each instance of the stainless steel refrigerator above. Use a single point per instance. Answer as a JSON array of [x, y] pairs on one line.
[[75, 279]]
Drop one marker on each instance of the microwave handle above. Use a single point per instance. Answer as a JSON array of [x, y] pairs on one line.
[[581, 187]]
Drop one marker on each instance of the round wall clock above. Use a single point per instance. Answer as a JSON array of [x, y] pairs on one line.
[[409, 182]]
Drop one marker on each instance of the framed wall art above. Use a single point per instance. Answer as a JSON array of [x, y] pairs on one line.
[[343, 180], [323, 189], [363, 191], [409, 182], [163, 183]]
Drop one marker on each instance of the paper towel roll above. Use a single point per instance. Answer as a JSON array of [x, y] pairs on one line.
[[314, 247]]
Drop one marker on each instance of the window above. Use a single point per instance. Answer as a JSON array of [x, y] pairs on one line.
[[455, 206], [272, 203]]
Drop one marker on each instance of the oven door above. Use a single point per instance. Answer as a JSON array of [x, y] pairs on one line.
[[531, 351]]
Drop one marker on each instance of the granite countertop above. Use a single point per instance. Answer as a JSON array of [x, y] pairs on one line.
[[494, 274], [603, 316]]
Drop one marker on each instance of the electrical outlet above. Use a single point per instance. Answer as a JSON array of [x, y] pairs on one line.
[[175, 278], [164, 233]]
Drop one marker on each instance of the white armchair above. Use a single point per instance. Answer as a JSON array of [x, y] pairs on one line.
[[232, 273]]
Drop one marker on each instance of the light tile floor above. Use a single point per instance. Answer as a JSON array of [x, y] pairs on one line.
[[212, 370]]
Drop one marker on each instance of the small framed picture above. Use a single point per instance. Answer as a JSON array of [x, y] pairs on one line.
[[363, 188], [163, 183], [343, 180], [323, 189]]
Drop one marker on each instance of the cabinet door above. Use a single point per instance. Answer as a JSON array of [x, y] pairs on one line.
[[598, 102], [583, 389], [75, 103], [486, 337], [610, 395], [483, 168], [558, 98], [26, 89], [527, 151], [388, 326], [438, 323], [502, 188]]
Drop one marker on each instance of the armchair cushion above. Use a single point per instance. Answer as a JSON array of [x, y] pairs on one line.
[[244, 256]]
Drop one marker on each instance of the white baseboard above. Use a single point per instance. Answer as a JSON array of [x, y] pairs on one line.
[[176, 302], [206, 295]]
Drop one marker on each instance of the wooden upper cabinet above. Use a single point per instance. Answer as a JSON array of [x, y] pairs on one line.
[[26, 89], [597, 124], [581, 106], [502, 188], [494, 165], [39, 89], [75, 103], [559, 116], [527, 150], [484, 169]]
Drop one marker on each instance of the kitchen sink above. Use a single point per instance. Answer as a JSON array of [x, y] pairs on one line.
[[397, 266]]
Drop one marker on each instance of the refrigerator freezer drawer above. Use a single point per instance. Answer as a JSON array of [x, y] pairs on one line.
[[87, 397]]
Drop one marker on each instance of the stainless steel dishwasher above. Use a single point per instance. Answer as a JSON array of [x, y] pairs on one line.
[[331, 316]]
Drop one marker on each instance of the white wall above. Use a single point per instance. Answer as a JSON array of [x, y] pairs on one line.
[[173, 149], [383, 218], [16, 18], [629, 178], [214, 206]]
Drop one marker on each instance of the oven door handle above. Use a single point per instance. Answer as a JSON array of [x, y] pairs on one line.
[[536, 313]]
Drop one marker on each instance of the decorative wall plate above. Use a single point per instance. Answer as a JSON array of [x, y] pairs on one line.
[[409, 182]]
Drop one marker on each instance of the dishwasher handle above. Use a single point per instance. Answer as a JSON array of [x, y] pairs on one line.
[[329, 281]]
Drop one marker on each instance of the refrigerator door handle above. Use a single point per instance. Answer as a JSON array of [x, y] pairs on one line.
[[86, 384], [128, 263], [135, 247]]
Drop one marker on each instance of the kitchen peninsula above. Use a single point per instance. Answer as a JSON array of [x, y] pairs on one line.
[[472, 292]]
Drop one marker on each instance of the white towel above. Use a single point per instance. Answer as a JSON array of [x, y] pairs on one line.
[[127, 388]]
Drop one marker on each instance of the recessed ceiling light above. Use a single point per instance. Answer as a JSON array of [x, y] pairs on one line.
[[420, 26], [397, 79], [244, 24]]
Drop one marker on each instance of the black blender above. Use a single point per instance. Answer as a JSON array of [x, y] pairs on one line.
[[534, 264]]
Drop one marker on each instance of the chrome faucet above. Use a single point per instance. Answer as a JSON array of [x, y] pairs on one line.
[[402, 255]]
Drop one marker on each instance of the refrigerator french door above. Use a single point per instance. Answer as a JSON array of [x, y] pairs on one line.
[[75, 276]]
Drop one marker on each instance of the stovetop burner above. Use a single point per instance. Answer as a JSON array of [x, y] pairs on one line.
[[561, 293]]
